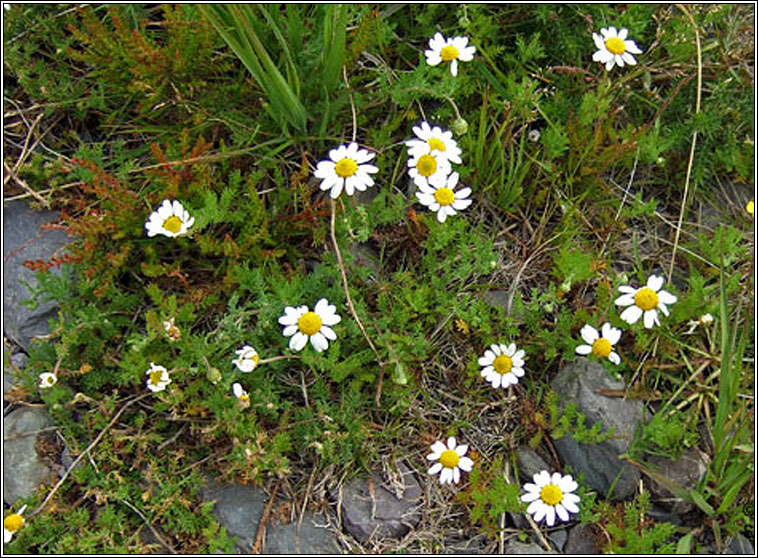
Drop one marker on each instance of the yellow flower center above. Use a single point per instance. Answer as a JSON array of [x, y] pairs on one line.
[[750, 207], [601, 347], [155, 377], [449, 459], [503, 364], [615, 45], [435, 143], [426, 165], [244, 397], [646, 298], [551, 495], [449, 53], [255, 358], [345, 167], [13, 522], [444, 196], [309, 323], [173, 224]]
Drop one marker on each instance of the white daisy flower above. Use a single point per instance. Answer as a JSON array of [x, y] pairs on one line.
[[170, 219], [240, 394], [301, 324], [434, 140], [600, 345], [450, 460], [705, 320], [502, 365], [426, 168], [614, 47], [551, 495], [449, 50], [443, 199], [157, 378], [47, 380], [12, 523], [247, 359], [647, 300], [346, 169]]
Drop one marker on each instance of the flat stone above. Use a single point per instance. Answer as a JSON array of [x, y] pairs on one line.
[[516, 547], [558, 538], [22, 469], [239, 508], [310, 539], [581, 540], [372, 508], [739, 544], [685, 471], [529, 463], [600, 463], [24, 239]]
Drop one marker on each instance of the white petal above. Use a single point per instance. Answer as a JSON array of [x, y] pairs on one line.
[[598, 41], [589, 334], [446, 476], [298, 341], [550, 516], [650, 319], [461, 450], [625, 300], [466, 463], [583, 350], [602, 56], [438, 447], [290, 330], [542, 478], [666, 297], [539, 511], [614, 358], [632, 47], [460, 205], [237, 389], [328, 333], [612, 334], [454, 67], [629, 59], [530, 496], [496, 380], [623, 33], [434, 469], [567, 483], [319, 342], [562, 513], [487, 371], [456, 475], [451, 443], [432, 58], [631, 314], [626, 289], [662, 307]]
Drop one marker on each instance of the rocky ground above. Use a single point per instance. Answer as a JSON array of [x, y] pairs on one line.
[[376, 513]]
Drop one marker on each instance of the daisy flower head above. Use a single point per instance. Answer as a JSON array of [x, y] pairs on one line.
[[451, 50], [600, 345], [247, 359], [170, 219], [425, 168], [551, 495], [240, 394], [12, 523], [502, 365], [451, 459], [614, 48], [172, 332], [442, 198], [645, 301], [346, 168], [301, 324], [47, 380], [434, 139], [157, 378]]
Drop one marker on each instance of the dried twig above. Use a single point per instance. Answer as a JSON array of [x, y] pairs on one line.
[[694, 138], [153, 530], [259, 536], [87, 450], [350, 305]]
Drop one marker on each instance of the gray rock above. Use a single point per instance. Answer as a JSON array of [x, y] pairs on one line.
[[23, 240], [516, 547], [22, 469], [558, 538], [373, 508], [602, 468], [581, 540], [13, 364], [239, 508], [739, 544], [365, 256], [529, 463], [685, 471], [310, 539]]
